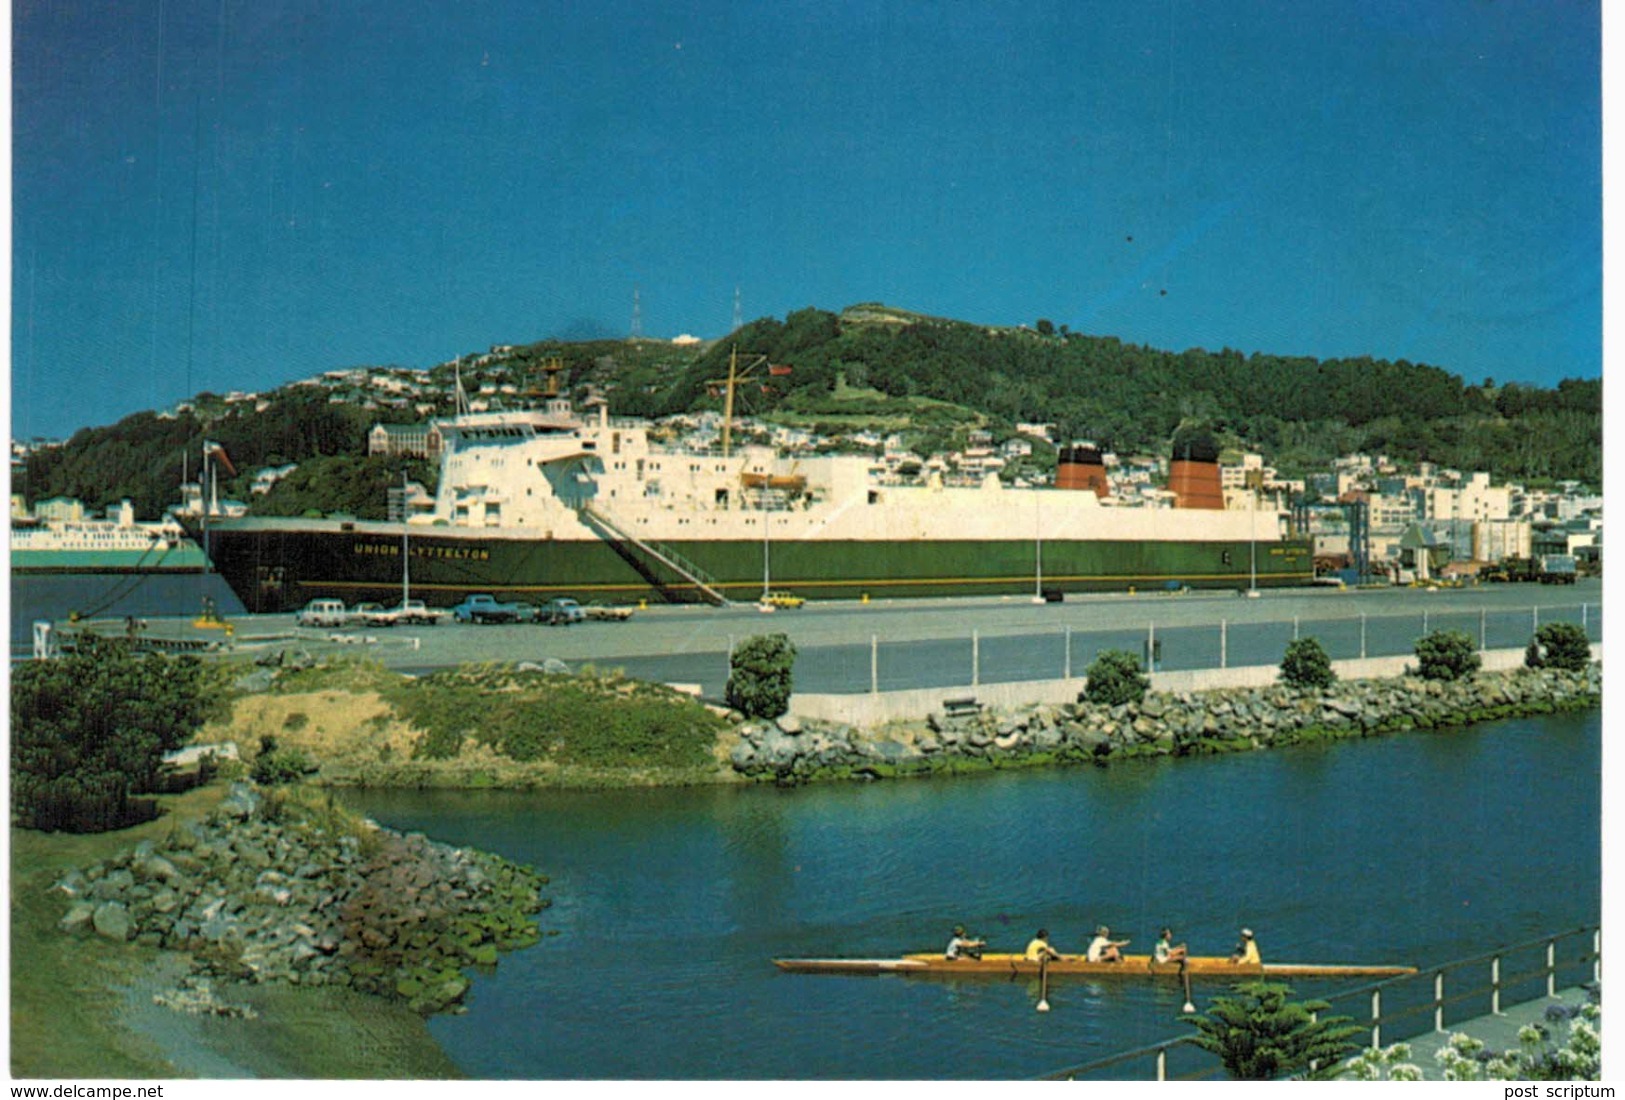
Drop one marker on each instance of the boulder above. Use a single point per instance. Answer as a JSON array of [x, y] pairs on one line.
[[742, 756], [112, 919], [155, 868], [112, 885], [258, 681], [788, 723], [73, 884], [242, 802], [77, 917], [892, 751]]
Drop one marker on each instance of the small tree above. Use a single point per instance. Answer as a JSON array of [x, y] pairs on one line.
[[1446, 655], [1260, 1035], [1114, 678], [1559, 645], [759, 676], [274, 765], [1306, 665]]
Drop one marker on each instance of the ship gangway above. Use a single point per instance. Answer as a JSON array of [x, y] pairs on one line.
[[619, 537]]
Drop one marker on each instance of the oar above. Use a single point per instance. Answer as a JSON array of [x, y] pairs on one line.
[[1043, 983], [1185, 973]]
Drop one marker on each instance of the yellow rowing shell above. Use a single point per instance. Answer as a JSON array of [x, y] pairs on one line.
[[1132, 966]]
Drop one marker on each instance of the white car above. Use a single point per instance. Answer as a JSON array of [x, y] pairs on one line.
[[323, 613]]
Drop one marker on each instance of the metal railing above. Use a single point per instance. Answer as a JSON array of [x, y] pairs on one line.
[[1497, 984], [668, 557], [979, 656]]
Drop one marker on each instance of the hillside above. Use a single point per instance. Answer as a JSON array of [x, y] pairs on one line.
[[871, 366]]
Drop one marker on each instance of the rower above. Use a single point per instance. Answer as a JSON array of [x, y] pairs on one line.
[[961, 945], [1039, 949], [1166, 950], [1246, 952], [1103, 948]]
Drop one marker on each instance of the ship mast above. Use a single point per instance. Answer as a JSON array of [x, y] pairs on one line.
[[736, 375]]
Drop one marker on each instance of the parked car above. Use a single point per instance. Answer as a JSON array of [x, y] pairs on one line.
[[780, 599], [560, 612], [603, 612], [370, 614], [418, 613], [323, 613], [484, 608]]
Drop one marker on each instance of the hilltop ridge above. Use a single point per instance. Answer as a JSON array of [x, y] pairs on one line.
[[898, 368]]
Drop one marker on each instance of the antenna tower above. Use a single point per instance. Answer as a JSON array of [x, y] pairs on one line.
[[739, 316], [637, 315]]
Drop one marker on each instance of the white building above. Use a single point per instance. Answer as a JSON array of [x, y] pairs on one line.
[[1474, 500]]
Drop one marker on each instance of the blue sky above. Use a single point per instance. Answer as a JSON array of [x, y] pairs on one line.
[[218, 195]]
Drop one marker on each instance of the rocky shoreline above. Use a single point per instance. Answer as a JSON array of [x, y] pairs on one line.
[[792, 751], [270, 889]]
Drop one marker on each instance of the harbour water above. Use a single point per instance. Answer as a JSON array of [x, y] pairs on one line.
[[55, 597], [1420, 848]]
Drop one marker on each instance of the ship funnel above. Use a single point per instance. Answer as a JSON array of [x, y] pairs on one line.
[[1193, 475], [1080, 467]]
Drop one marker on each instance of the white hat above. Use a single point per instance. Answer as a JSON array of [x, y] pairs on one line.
[[1246, 933]]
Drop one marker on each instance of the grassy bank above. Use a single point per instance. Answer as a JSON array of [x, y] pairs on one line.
[[481, 726], [78, 1006]]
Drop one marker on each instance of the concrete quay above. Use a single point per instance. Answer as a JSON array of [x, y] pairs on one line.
[[1497, 1031]]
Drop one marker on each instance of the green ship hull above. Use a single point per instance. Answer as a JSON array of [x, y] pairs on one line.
[[276, 566]]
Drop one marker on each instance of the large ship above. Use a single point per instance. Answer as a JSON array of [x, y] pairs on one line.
[[541, 503], [116, 545]]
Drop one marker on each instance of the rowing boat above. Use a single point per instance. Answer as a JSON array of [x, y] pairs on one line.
[[932, 964]]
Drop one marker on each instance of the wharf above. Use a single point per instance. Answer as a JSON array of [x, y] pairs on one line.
[[1497, 1032]]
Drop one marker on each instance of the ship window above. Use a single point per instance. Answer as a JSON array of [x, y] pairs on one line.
[[722, 497], [874, 496]]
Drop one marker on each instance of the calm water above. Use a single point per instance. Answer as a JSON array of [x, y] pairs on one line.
[[1420, 848], [149, 595]]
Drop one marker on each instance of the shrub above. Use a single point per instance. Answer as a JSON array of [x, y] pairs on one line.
[[1559, 645], [1446, 655], [1306, 665], [1114, 678], [90, 728], [274, 766], [759, 677]]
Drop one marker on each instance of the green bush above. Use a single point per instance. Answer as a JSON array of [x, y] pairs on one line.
[[1306, 665], [1559, 645], [759, 677], [90, 728], [1446, 655], [1114, 678]]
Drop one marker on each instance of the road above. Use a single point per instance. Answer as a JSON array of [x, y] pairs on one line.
[[935, 643]]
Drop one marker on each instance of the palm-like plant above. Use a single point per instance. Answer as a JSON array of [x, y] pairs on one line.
[[1259, 1034]]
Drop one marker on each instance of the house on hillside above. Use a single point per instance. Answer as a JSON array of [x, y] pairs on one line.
[[422, 440]]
